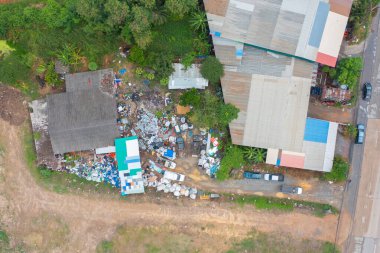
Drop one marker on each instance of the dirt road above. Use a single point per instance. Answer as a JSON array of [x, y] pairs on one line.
[[87, 221]]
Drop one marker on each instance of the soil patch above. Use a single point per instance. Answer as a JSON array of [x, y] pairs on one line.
[[13, 107]]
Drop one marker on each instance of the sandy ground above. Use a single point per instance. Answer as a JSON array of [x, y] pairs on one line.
[[330, 113], [81, 223], [366, 230]]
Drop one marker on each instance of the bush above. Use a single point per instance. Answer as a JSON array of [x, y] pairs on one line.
[[233, 158], [136, 55], [92, 66], [212, 69], [105, 247], [190, 97], [164, 81], [339, 170], [45, 172], [350, 131]]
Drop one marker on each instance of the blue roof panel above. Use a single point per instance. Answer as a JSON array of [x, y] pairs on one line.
[[319, 24], [316, 130]]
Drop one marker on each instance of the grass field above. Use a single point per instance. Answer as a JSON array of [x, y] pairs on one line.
[[167, 239], [286, 205]]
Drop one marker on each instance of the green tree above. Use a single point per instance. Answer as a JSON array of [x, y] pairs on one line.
[[180, 8], [339, 170], [198, 21], [212, 69], [227, 113], [212, 112], [117, 12], [348, 71], [190, 97], [141, 26], [161, 63]]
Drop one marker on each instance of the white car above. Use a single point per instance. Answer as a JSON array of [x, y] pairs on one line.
[[173, 176], [273, 177]]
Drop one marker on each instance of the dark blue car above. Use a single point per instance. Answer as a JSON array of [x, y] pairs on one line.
[[252, 175]]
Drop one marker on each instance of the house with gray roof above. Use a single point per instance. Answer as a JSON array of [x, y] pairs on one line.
[[84, 117]]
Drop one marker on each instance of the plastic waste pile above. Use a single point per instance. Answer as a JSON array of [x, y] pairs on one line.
[[210, 158], [103, 169], [168, 186]]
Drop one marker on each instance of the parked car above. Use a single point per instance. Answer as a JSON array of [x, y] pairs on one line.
[[180, 143], [274, 177], [367, 91], [291, 189], [360, 134], [173, 176], [252, 175]]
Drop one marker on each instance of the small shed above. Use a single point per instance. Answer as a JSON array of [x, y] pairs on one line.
[[183, 78]]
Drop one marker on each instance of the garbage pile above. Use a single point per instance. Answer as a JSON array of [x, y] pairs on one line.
[[103, 169], [168, 186], [210, 158]]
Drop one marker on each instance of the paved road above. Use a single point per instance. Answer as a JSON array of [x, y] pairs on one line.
[[366, 229], [364, 111]]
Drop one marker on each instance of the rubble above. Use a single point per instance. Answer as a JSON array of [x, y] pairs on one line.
[[168, 186]]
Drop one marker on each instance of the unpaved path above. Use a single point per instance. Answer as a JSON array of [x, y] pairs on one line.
[[91, 220]]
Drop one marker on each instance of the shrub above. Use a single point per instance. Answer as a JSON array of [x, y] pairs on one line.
[[188, 60], [339, 170], [190, 97], [45, 172], [233, 158], [139, 72], [164, 81], [136, 55], [350, 131], [212, 69], [92, 66]]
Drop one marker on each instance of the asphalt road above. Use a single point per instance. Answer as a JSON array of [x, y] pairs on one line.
[[365, 111]]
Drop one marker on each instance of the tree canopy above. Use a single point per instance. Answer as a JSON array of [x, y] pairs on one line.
[[212, 69], [209, 111], [348, 71]]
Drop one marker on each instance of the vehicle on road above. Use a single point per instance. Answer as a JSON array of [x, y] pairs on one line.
[[360, 134], [367, 91], [274, 177], [291, 189], [252, 175], [180, 143], [173, 176]]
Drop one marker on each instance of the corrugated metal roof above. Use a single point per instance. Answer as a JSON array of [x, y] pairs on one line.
[[296, 27], [183, 78]]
